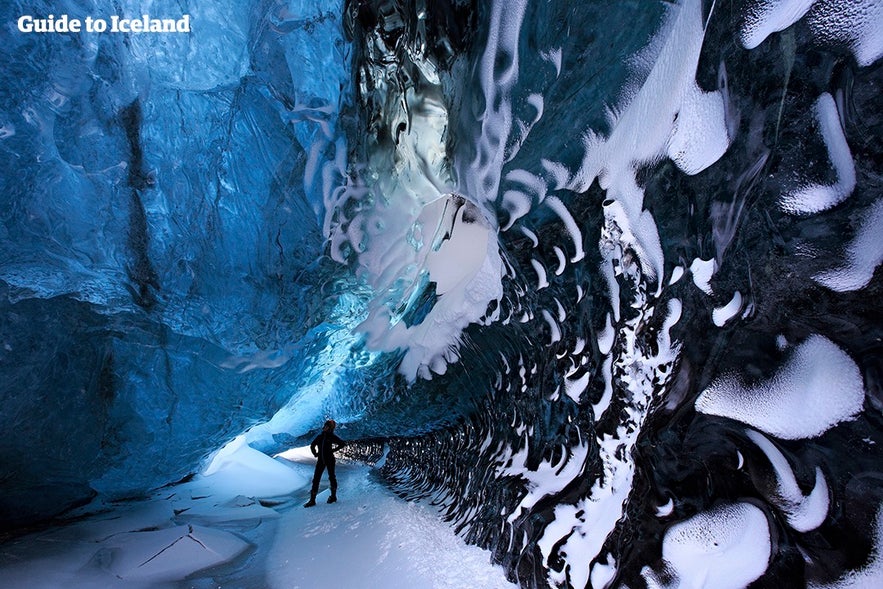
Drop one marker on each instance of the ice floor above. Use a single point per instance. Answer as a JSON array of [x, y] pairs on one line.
[[244, 526]]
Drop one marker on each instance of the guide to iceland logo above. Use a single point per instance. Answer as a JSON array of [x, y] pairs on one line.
[[63, 23]]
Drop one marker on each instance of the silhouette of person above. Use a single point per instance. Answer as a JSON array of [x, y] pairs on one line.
[[323, 448]]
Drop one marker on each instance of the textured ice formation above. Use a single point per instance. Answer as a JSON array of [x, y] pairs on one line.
[[423, 244], [585, 526], [818, 387], [459, 255], [498, 74], [687, 165], [863, 254], [726, 547], [668, 115], [158, 221], [804, 513], [169, 59], [765, 17], [702, 271], [549, 478], [871, 575], [858, 24], [853, 23], [721, 315], [816, 198]]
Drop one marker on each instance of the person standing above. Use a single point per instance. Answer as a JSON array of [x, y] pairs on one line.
[[323, 448]]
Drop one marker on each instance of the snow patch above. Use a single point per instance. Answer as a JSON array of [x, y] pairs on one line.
[[605, 338], [804, 513], [726, 547], [857, 24], [542, 282], [863, 255], [817, 388], [817, 197], [676, 274], [854, 23], [603, 572], [517, 204], [700, 135], [553, 327], [702, 271], [575, 388], [667, 509], [668, 115], [603, 403], [767, 17], [576, 235], [237, 469], [562, 260], [721, 315]]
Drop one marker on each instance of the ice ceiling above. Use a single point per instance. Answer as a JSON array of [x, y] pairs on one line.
[[597, 278]]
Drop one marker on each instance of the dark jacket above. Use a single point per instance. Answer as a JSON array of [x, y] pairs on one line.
[[325, 445]]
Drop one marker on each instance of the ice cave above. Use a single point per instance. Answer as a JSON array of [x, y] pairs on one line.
[[589, 287]]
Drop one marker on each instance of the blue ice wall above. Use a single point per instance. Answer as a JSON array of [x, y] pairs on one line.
[[161, 244]]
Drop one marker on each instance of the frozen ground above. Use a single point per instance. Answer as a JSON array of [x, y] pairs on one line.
[[244, 526]]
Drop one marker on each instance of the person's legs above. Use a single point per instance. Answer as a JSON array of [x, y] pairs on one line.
[[332, 478], [317, 476]]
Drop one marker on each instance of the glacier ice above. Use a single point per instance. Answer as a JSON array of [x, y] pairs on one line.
[[462, 230]]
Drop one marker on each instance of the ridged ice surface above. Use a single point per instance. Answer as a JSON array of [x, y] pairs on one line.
[[597, 280]]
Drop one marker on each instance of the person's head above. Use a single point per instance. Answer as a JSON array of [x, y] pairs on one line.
[[329, 426]]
